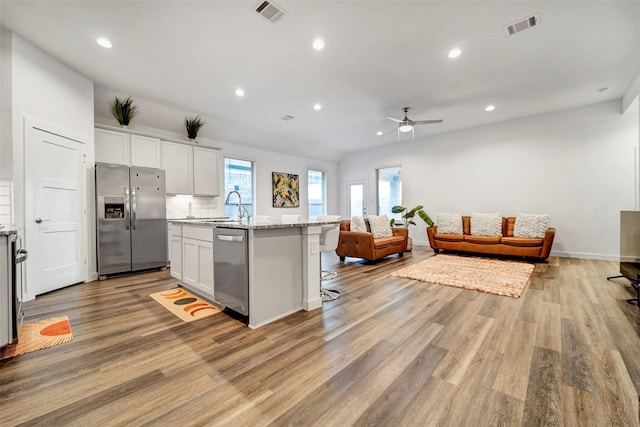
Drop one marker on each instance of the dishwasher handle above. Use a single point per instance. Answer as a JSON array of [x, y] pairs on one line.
[[227, 238]]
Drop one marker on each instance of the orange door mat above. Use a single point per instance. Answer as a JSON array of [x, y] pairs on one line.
[[184, 305], [38, 335]]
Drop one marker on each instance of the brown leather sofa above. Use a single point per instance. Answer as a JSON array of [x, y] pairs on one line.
[[359, 244], [505, 245]]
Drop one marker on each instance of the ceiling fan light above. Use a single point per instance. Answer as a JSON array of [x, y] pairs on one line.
[[405, 128]]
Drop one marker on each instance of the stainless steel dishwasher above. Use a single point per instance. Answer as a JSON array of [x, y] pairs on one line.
[[231, 270]]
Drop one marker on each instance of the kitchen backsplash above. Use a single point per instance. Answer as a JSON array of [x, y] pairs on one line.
[[5, 203], [201, 207]]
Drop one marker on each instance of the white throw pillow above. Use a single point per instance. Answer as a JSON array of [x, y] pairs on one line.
[[486, 224], [357, 224], [380, 226], [531, 225], [449, 223]]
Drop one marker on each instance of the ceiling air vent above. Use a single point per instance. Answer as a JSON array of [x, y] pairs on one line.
[[270, 11], [523, 24]]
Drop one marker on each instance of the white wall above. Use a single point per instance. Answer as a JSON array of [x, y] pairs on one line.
[[577, 165], [6, 150], [265, 161], [48, 91]]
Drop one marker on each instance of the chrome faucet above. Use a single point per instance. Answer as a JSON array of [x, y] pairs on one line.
[[226, 202]]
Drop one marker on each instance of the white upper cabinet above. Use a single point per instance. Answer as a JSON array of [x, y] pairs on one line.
[[190, 170], [145, 151], [205, 172], [177, 162], [112, 147], [127, 149]]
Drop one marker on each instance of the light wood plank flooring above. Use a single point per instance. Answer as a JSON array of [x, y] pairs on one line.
[[389, 352]]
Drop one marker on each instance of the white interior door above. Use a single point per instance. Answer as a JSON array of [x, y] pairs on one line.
[[357, 198], [54, 211]]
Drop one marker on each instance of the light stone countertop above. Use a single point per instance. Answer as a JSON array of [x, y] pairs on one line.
[[247, 226], [7, 231]]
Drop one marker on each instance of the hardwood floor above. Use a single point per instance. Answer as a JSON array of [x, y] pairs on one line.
[[389, 352]]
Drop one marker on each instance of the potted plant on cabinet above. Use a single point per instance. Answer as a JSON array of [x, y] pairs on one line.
[[123, 110], [407, 219], [193, 125]]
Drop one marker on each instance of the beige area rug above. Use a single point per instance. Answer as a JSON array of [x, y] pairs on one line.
[[186, 306], [479, 274]]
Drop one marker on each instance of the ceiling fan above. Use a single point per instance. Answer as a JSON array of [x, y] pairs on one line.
[[407, 125]]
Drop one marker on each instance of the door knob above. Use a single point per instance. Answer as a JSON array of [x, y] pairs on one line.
[[39, 220]]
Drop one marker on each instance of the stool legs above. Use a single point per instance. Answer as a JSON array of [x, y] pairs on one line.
[[327, 294]]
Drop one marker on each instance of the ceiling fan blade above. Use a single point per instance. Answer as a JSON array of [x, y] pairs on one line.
[[426, 122], [394, 119]]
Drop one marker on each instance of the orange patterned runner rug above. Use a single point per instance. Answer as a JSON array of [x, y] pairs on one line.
[[38, 335], [507, 278], [184, 305]]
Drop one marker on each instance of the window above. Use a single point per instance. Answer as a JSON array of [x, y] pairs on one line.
[[316, 193], [238, 176], [389, 191]]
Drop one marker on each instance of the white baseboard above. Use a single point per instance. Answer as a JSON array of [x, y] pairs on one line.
[[603, 257]]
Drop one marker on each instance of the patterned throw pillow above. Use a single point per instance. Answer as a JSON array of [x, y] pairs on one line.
[[486, 224], [357, 224], [449, 223], [531, 225], [380, 226]]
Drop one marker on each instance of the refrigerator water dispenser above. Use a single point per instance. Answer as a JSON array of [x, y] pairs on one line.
[[113, 207]]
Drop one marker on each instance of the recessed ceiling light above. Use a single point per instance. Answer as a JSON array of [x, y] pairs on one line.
[[379, 133], [454, 53], [317, 107], [104, 42], [239, 92], [318, 44], [489, 108]]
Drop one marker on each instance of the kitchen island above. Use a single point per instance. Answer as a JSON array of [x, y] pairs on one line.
[[282, 265]]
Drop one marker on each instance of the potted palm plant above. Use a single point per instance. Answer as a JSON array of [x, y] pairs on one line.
[[407, 219], [193, 125], [123, 110]]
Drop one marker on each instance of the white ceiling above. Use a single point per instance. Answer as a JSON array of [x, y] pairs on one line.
[[380, 56]]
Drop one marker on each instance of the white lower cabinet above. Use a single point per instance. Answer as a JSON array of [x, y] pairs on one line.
[[175, 250], [197, 259]]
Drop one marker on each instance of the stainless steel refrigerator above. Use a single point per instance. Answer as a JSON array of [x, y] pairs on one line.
[[131, 219]]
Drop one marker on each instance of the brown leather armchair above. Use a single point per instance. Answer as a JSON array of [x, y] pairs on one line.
[[362, 244]]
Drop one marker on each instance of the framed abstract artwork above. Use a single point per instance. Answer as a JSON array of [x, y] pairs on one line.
[[286, 192]]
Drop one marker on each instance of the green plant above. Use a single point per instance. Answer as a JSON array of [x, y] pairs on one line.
[[123, 110], [407, 216], [193, 125]]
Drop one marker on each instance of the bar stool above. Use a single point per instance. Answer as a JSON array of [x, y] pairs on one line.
[[290, 219], [329, 237], [262, 219]]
